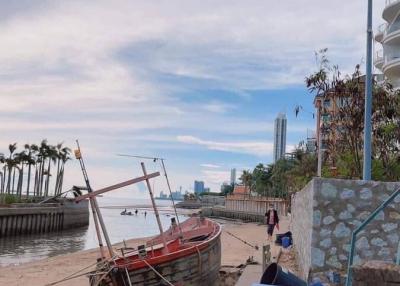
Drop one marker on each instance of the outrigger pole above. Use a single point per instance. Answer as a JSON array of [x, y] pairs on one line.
[[91, 195], [95, 208], [166, 178]]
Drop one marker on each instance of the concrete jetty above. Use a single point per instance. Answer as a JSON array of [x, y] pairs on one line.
[[23, 219]]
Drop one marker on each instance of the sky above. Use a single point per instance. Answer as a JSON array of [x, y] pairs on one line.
[[196, 82]]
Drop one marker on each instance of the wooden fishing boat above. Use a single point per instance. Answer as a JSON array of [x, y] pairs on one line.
[[194, 259], [187, 254]]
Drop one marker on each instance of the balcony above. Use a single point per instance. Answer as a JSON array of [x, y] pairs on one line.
[[380, 33], [378, 59], [390, 10]]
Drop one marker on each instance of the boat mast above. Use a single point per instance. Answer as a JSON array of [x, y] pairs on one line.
[[154, 207], [95, 207], [166, 178], [172, 198]]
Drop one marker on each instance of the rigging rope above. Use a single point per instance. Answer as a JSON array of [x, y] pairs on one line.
[[245, 242]]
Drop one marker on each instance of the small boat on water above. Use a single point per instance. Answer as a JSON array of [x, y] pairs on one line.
[[187, 254]]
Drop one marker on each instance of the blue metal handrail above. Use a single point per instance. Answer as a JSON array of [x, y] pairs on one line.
[[358, 229]]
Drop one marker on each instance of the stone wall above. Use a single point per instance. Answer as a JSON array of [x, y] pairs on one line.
[[336, 207], [302, 219], [374, 273]]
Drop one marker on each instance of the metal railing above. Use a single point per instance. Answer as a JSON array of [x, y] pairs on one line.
[[349, 279]]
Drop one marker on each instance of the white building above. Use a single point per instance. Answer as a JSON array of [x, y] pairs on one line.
[[388, 35], [280, 136], [233, 176]]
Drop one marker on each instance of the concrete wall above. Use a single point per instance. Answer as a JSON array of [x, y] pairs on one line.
[[21, 219], [327, 210], [255, 205], [374, 273], [222, 212]]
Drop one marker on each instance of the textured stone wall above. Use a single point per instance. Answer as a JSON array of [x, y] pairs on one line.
[[374, 273], [338, 207], [301, 227]]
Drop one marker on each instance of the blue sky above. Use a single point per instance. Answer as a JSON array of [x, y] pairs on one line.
[[196, 82]]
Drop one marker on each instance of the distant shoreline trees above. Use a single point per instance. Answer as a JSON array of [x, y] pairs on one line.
[[29, 172]]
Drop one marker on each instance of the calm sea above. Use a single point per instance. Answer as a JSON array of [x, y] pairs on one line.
[[19, 250]]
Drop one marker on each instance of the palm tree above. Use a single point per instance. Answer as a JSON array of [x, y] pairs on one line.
[[43, 150], [52, 157], [247, 179], [10, 163], [30, 161], [64, 155], [2, 160]]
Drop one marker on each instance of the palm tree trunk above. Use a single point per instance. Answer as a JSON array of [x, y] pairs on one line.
[[57, 177], [35, 185], [29, 179], [20, 181], [41, 177], [47, 179], [13, 181]]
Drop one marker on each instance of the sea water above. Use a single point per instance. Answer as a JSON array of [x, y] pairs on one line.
[[22, 249]]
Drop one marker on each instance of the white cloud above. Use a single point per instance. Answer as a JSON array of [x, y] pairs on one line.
[[211, 166], [247, 147]]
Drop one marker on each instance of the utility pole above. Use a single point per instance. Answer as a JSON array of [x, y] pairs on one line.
[[368, 99]]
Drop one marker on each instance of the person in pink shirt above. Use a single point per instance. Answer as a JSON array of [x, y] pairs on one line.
[[272, 220]]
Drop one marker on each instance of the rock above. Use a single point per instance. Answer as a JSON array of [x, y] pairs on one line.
[[394, 215], [317, 218], [380, 216], [328, 220], [362, 243], [393, 238], [325, 232], [374, 231], [385, 253], [328, 190], [365, 194], [341, 230], [334, 262], [350, 208], [355, 222], [345, 215], [363, 215], [342, 257], [315, 203], [387, 227], [333, 251], [317, 257], [378, 242], [326, 243], [346, 247], [347, 194]]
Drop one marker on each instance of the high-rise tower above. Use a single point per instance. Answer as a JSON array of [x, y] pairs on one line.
[[280, 136]]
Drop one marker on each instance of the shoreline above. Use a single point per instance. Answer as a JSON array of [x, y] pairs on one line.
[[49, 270]]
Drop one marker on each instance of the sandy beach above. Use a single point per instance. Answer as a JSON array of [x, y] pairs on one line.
[[43, 272]]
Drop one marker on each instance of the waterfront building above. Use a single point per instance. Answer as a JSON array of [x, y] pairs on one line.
[[233, 176], [198, 187], [280, 136], [387, 59]]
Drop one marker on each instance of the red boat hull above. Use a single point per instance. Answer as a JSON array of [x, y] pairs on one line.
[[193, 261]]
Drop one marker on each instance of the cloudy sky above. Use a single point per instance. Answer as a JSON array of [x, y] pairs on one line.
[[196, 82]]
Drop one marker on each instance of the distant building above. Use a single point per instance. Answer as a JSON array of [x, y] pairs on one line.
[[311, 144], [240, 190], [233, 176], [198, 187], [163, 195], [206, 190], [280, 136]]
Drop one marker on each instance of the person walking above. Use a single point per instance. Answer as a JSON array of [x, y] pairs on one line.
[[272, 220]]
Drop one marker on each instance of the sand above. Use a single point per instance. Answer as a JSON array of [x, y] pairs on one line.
[[43, 272]]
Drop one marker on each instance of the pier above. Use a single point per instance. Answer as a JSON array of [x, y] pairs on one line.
[[25, 219]]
